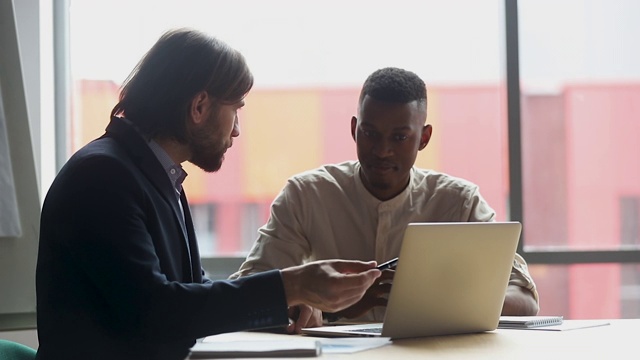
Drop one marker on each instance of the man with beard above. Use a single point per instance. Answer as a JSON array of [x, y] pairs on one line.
[[119, 273], [360, 209]]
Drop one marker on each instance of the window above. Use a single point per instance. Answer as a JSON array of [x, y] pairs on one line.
[[573, 180], [580, 87], [309, 63], [630, 275], [580, 90]]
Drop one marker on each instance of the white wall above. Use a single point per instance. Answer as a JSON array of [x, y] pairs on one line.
[[20, 82]]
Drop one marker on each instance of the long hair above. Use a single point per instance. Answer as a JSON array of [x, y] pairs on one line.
[[157, 95]]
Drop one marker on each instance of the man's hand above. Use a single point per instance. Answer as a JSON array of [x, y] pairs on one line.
[[329, 285], [376, 295], [302, 316]]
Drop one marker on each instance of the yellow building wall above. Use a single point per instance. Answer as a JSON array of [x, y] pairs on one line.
[[280, 130]]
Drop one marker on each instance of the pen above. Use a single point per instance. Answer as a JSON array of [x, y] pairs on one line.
[[331, 317], [388, 265]]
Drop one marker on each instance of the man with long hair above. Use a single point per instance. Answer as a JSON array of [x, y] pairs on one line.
[[119, 273]]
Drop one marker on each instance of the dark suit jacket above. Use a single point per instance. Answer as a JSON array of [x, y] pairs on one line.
[[119, 273]]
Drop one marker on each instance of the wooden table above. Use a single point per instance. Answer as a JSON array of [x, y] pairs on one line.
[[619, 339]]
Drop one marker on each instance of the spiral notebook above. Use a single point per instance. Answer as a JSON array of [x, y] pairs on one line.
[[528, 322]]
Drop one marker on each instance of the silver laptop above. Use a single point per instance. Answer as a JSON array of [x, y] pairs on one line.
[[451, 278]]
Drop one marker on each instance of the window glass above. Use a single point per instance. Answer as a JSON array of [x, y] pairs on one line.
[[588, 291], [580, 123], [309, 59]]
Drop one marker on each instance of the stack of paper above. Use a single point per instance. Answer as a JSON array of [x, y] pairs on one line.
[[216, 346], [256, 348]]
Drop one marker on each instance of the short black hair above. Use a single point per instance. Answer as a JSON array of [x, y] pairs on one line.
[[394, 85]]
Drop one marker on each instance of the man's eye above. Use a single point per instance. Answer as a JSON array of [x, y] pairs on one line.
[[401, 137]]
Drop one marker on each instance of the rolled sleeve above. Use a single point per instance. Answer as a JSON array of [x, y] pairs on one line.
[[520, 276]]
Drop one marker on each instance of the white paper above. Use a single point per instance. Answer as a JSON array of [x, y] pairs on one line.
[[254, 341], [573, 325], [256, 348], [352, 344], [566, 325]]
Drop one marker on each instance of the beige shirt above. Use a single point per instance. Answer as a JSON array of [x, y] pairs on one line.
[[327, 213]]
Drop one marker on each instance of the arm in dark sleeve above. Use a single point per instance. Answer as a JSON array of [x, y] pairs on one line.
[[118, 232]]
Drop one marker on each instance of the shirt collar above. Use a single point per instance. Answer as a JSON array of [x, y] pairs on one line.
[[175, 172]]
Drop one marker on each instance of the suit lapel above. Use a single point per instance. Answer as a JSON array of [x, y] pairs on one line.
[[147, 162], [194, 255]]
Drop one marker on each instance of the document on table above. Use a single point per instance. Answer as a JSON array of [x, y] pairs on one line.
[[256, 348], [573, 325], [350, 345], [294, 346], [548, 323]]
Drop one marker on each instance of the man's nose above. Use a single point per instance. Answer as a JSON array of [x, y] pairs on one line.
[[383, 148], [236, 129]]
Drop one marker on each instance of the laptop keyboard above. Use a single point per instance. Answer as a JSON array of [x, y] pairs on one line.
[[372, 330]]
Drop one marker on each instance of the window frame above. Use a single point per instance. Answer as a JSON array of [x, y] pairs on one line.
[[623, 256], [515, 163]]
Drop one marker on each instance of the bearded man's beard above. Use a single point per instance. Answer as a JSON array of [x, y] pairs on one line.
[[207, 152]]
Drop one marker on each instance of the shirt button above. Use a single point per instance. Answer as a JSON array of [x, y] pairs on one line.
[[173, 171]]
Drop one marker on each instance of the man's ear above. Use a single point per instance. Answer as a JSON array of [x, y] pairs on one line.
[[199, 107], [354, 124], [426, 136]]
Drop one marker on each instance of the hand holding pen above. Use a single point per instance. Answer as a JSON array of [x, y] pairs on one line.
[[391, 264]]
